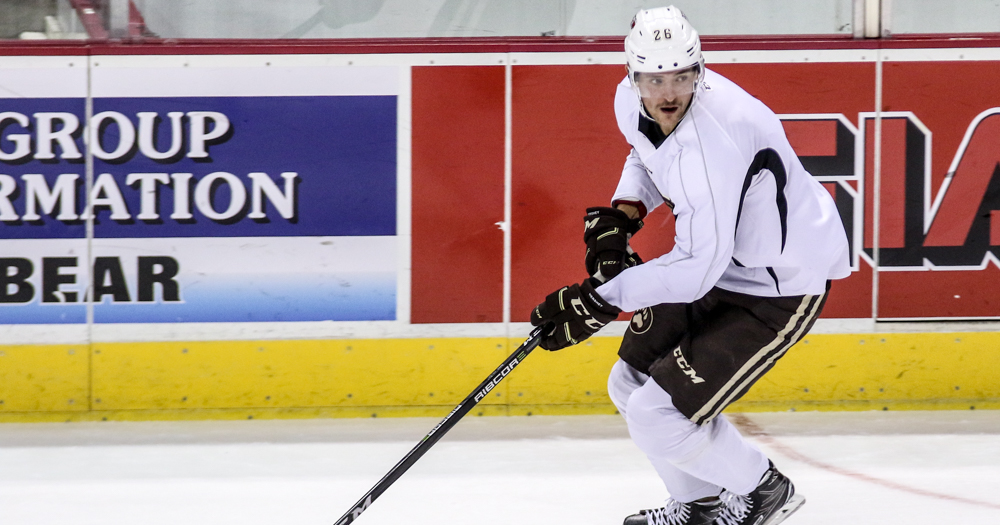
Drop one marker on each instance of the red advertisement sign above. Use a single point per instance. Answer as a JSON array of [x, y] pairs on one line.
[[935, 221]]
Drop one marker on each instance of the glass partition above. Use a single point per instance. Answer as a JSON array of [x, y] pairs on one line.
[[320, 19], [935, 16], [40, 20], [312, 19], [477, 18]]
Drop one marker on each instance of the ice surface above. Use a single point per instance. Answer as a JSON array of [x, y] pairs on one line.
[[853, 468]]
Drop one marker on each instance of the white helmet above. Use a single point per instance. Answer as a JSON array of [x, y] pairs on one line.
[[662, 40]]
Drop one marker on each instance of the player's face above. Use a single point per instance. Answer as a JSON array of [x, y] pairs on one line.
[[667, 96]]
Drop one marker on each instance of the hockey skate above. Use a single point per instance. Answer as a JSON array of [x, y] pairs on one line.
[[677, 513], [770, 503]]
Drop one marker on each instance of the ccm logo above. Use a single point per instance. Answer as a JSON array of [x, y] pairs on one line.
[[686, 368]]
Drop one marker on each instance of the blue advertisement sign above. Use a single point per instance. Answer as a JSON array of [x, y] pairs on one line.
[[204, 209]]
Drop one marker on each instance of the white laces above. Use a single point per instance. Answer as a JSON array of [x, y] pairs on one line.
[[674, 513], [735, 508]]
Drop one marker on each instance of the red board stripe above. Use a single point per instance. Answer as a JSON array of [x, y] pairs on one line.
[[968, 187], [458, 189], [219, 46], [892, 211], [812, 138], [567, 156]]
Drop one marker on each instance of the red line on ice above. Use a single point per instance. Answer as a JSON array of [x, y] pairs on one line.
[[751, 428]]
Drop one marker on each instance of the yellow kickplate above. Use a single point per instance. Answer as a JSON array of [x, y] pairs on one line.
[[921, 371], [273, 374], [428, 377], [44, 378]]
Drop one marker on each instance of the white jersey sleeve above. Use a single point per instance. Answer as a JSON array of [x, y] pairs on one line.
[[636, 186]]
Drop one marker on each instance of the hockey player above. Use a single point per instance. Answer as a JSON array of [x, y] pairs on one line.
[[757, 242]]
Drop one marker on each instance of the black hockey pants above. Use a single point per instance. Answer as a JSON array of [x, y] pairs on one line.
[[708, 353]]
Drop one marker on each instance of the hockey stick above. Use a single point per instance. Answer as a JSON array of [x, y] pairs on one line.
[[444, 426]]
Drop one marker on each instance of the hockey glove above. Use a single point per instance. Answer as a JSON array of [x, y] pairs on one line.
[[607, 232], [577, 312]]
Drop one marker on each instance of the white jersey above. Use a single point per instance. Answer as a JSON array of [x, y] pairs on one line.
[[749, 218]]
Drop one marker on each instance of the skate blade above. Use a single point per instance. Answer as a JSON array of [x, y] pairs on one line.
[[793, 505]]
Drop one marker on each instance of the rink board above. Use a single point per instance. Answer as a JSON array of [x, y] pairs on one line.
[[428, 377], [372, 233]]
